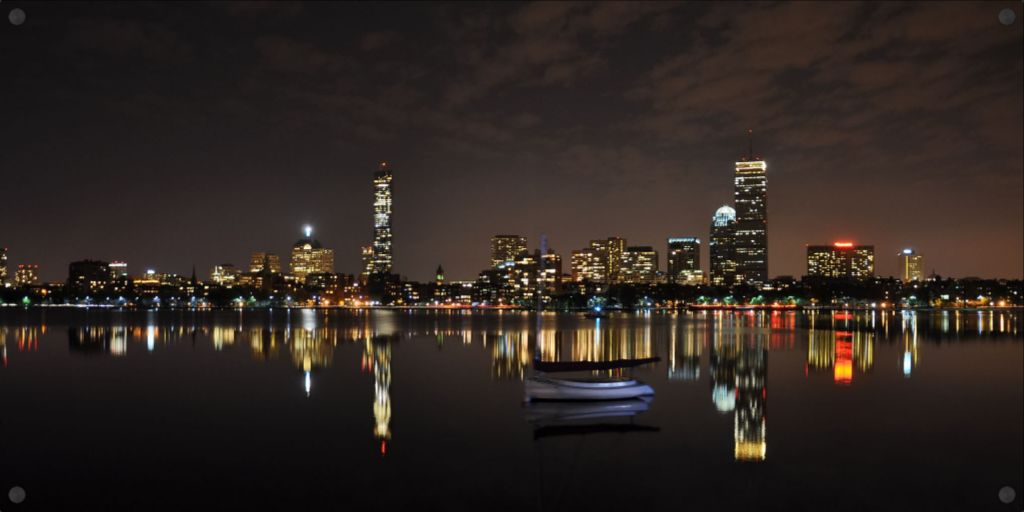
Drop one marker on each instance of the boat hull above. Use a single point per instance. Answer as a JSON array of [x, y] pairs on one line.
[[543, 388]]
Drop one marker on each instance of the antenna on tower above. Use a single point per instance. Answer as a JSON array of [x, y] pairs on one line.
[[750, 142]]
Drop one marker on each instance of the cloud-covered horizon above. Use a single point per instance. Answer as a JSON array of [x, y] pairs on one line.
[[168, 134]]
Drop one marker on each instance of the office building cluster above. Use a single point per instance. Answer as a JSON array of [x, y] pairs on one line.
[[737, 257]]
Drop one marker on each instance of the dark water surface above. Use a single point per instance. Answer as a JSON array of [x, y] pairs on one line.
[[388, 410]]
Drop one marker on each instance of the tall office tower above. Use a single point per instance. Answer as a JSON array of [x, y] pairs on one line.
[[506, 249], [588, 265], [27, 275], [309, 257], [751, 196], [259, 260], [722, 247], [382, 220], [911, 266], [3, 265], [749, 438], [367, 255], [841, 260], [613, 248], [683, 259], [639, 265]]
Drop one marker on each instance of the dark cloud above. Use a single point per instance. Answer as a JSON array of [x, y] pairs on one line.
[[223, 127]]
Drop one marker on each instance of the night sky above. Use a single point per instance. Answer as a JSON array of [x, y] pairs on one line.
[[169, 135]]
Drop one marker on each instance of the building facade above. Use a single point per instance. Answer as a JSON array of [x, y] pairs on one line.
[[3, 265], [262, 260], [224, 274], [88, 277], [684, 260], [588, 265], [310, 257], [506, 249], [381, 257], [639, 265], [911, 266], [722, 247], [751, 203], [841, 260], [27, 275]]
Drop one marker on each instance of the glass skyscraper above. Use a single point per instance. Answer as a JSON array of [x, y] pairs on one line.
[[683, 259], [722, 247], [751, 195], [911, 266], [381, 258]]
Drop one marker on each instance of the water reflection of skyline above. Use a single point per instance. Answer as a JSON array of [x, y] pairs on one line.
[[840, 345]]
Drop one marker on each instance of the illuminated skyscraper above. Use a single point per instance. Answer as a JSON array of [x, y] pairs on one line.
[[683, 260], [722, 247], [601, 262], [911, 266], [751, 200], [3, 265], [260, 260], [841, 260], [588, 265], [27, 275], [506, 249], [639, 265], [613, 248], [381, 257], [309, 257]]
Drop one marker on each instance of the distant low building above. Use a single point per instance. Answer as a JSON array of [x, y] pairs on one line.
[[27, 275], [88, 277], [259, 260]]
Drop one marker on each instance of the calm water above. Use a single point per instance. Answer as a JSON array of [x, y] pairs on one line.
[[423, 410]]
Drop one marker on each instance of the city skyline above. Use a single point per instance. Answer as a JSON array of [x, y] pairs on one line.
[[564, 135]]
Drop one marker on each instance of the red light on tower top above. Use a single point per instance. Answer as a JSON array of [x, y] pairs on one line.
[[843, 245]]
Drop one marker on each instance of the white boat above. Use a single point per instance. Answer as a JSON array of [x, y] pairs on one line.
[[603, 388], [554, 411]]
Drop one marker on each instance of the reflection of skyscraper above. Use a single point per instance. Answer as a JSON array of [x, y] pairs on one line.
[[377, 358], [840, 351], [684, 353], [751, 200], [911, 266], [722, 367], [751, 395], [722, 247], [381, 220]]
